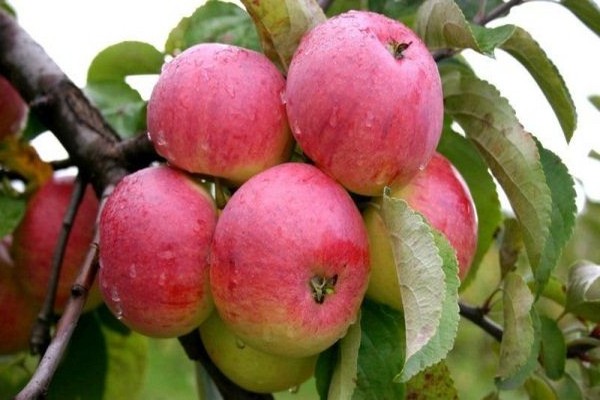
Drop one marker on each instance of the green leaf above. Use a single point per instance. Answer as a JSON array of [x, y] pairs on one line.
[[528, 52], [215, 21], [595, 100], [125, 59], [419, 271], [121, 105], [510, 152], [585, 239], [401, 10], [442, 24], [432, 384], [281, 24], [568, 388], [587, 11], [583, 291], [562, 221], [381, 353], [554, 349], [440, 345], [520, 341], [12, 210], [511, 245], [326, 364], [472, 8], [539, 389], [104, 360], [343, 380], [464, 156], [553, 290]]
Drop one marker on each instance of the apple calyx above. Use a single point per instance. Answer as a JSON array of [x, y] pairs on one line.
[[397, 49], [322, 286]]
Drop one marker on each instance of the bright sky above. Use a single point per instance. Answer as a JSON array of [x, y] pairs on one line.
[[73, 32]]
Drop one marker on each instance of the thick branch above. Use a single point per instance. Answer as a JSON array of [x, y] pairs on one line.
[[60, 105]]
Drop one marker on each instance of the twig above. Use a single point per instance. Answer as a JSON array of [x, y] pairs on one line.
[[195, 350], [478, 317], [37, 386], [40, 335], [499, 11]]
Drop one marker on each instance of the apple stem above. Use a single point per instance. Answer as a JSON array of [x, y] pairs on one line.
[[397, 49]]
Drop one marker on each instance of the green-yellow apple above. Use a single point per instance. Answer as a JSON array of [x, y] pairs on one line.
[[13, 110], [252, 369], [440, 194], [364, 101], [36, 236], [16, 308], [155, 234], [217, 110], [289, 261]]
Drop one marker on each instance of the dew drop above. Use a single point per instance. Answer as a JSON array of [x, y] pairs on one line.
[[132, 271], [239, 343], [422, 167], [283, 97], [369, 120], [333, 119], [114, 295], [118, 311], [294, 389]]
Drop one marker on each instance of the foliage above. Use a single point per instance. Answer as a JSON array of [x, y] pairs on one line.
[[536, 276]]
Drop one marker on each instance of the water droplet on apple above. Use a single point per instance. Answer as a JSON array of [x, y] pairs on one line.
[[132, 271], [283, 97], [333, 119], [118, 311], [294, 389], [114, 295], [422, 167], [239, 343]]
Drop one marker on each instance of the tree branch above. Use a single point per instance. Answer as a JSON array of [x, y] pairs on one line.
[[478, 317]]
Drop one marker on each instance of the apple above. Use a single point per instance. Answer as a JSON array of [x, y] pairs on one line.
[[217, 110], [17, 310], [289, 261], [13, 110], [364, 101], [155, 234], [36, 236], [440, 194], [252, 369]]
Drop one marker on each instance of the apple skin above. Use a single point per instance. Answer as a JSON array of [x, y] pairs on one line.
[[13, 110], [217, 110], [35, 238], [17, 310], [364, 116], [155, 234], [283, 234], [440, 194], [252, 369]]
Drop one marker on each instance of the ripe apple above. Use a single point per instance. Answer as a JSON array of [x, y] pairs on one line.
[[289, 261], [13, 110], [364, 101], [252, 369], [217, 110], [36, 236], [155, 233], [440, 194], [16, 308]]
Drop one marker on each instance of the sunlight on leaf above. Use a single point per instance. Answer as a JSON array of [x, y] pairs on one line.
[[583, 291]]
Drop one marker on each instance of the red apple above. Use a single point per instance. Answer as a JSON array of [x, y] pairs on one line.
[[16, 308], [13, 110], [155, 233], [252, 369], [36, 236], [289, 261], [440, 194], [364, 101], [217, 109]]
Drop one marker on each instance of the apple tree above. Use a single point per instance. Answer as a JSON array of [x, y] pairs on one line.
[[308, 206]]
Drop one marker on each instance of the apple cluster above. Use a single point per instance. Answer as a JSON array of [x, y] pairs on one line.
[[277, 273]]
